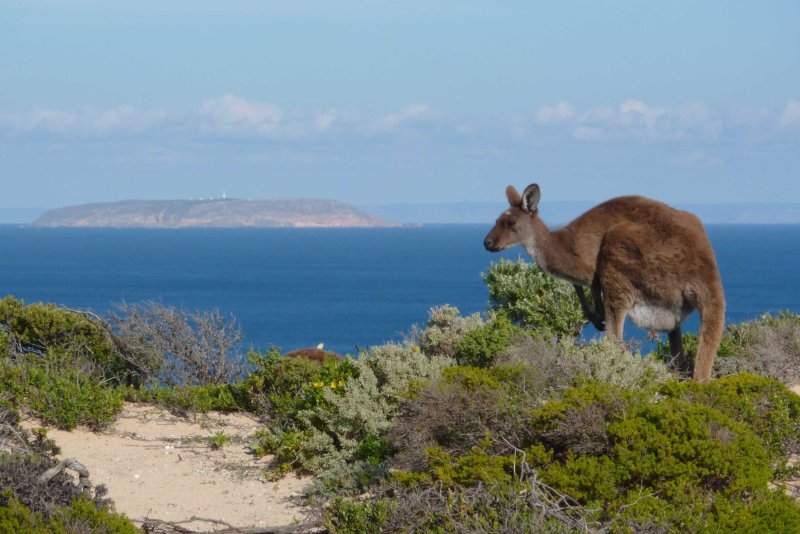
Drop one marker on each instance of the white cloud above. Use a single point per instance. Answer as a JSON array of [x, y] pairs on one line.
[[323, 121], [557, 114], [408, 114], [231, 114], [696, 158], [790, 115], [124, 119], [633, 119], [585, 133]]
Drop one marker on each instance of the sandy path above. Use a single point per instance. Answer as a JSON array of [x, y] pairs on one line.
[[160, 466]]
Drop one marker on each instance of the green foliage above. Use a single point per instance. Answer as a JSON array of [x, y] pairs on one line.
[[184, 400], [96, 520], [534, 299], [768, 346], [79, 517], [340, 433], [444, 329], [281, 388], [345, 516], [480, 346], [386, 378], [765, 406], [64, 398], [680, 456], [219, 439], [60, 337]]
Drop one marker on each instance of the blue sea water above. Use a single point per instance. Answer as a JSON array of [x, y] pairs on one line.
[[345, 287]]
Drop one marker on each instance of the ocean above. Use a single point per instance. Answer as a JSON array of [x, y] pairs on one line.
[[346, 288]]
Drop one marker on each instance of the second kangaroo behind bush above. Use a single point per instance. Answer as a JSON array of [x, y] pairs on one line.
[[641, 258]]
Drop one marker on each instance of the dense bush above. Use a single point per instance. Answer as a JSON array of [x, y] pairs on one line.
[[444, 329], [185, 400], [768, 346], [480, 346], [79, 517], [28, 505], [64, 397], [59, 338], [336, 427], [533, 299], [670, 457]]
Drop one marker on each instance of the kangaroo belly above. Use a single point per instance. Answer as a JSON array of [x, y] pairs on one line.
[[656, 317]]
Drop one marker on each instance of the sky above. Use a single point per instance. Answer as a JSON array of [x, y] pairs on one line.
[[388, 102]]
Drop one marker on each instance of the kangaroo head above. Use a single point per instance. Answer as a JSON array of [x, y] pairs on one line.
[[513, 226]]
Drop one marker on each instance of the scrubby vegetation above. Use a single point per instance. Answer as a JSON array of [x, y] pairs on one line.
[[497, 423], [31, 505]]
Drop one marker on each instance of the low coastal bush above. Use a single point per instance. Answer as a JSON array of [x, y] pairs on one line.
[[336, 428], [444, 329], [768, 346], [63, 398], [55, 337], [533, 299], [596, 456], [29, 505], [185, 400]]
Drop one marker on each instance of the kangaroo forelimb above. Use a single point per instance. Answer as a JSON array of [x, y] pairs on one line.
[[593, 315]]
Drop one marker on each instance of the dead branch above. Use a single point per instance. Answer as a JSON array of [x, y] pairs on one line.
[[69, 463], [160, 526]]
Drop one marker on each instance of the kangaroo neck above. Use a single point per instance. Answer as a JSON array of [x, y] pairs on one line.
[[540, 244], [555, 253]]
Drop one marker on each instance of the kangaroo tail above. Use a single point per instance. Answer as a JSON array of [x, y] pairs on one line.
[[712, 323]]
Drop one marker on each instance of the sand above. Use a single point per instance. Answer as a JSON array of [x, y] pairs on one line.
[[156, 465]]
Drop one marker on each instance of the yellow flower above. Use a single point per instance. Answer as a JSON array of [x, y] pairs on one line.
[[416, 348], [333, 384], [318, 384], [341, 383]]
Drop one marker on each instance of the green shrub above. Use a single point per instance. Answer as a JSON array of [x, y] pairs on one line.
[[387, 376], [672, 456], [480, 346], [768, 346], [183, 400], [444, 329], [553, 365], [765, 406], [64, 398], [82, 516], [345, 516], [281, 388], [533, 299], [60, 337], [341, 435]]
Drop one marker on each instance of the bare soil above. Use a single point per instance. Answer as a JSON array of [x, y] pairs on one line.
[[160, 466]]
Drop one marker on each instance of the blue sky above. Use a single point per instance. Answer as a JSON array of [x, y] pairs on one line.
[[407, 101]]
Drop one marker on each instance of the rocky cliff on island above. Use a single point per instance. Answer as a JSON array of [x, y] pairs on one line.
[[213, 213]]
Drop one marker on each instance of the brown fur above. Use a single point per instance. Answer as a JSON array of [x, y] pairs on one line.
[[641, 257], [317, 356]]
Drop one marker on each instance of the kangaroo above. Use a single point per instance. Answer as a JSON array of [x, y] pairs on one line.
[[640, 258]]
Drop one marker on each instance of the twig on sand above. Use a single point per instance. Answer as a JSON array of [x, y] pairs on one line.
[[159, 526]]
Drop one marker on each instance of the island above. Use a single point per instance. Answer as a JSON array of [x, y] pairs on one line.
[[212, 213]]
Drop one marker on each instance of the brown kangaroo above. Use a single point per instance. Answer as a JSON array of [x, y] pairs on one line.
[[641, 258]]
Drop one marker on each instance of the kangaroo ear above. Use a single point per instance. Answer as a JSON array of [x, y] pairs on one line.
[[513, 196], [530, 197]]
